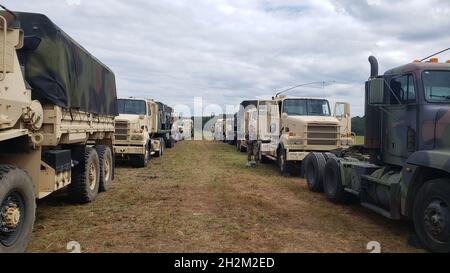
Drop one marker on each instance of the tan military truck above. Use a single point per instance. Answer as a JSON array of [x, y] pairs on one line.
[[56, 129], [288, 129], [140, 131]]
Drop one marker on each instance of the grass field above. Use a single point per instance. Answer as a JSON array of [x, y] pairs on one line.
[[200, 197], [359, 140]]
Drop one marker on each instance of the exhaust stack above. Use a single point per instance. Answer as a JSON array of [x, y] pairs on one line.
[[373, 67]]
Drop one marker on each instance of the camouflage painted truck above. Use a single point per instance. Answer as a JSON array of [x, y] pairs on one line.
[[289, 129], [57, 108], [141, 131], [403, 170]]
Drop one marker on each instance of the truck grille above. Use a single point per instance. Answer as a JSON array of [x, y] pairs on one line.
[[322, 134], [122, 130]]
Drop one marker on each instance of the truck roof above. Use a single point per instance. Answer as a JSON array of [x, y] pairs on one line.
[[418, 66], [136, 99]]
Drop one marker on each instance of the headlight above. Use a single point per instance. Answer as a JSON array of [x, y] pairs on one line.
[[137, 137]]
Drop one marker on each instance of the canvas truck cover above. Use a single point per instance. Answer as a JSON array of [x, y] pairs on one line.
[[62, 72]]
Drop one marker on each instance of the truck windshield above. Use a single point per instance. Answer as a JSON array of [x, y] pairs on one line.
[[304, 107], [437, 86], [132, 107]]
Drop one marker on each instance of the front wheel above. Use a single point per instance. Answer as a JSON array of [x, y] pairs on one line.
[[432, 215], [17, 209], [286, 167], [143, 160]]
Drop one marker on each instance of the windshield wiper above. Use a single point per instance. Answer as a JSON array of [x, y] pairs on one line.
[[441, 97]]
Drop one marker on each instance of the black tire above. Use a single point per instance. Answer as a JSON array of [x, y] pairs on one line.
[[160, 152], [17, 198], [332, 183], [265, 160], [106, 167], [431, 215], [285, 167], [242, 148], [86, 178], [315, 166], [328, 156], [170, 143], [142, 161]]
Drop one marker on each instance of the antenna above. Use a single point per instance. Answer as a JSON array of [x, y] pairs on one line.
[[322, 86], [437, 53]]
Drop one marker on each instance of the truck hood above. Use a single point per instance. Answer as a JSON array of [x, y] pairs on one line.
[[313, 119], [128, 118]]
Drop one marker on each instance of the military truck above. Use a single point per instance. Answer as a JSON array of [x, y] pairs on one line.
[[403, 170], [57, 108], [217, 130], [245, 122], [228, 130], [186, 128], [288, 129], [141, 130]]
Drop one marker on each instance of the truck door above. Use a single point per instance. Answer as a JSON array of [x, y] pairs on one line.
[[342, 113], [268, 120], [400, 120]]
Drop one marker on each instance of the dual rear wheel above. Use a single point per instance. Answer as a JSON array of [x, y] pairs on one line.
[[93, 175]]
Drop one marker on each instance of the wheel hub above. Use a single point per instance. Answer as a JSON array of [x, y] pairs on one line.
[[11, 217], [435, 219]]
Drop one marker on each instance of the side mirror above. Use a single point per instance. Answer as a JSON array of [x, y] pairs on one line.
[[376, 91], [284, 116]]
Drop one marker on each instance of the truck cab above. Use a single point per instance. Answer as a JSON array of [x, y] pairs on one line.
[[289, 129], [135, 125]]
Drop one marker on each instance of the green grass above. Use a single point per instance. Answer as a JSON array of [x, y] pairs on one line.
[[359, 140]]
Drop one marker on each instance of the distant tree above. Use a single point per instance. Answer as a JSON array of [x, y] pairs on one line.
[[358, 125]]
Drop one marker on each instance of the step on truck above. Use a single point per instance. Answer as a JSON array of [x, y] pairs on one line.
[[57, 108], [403, 170], [288, 129], [142, 130]]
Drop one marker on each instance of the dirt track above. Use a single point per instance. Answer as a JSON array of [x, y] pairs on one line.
[[200, 198]]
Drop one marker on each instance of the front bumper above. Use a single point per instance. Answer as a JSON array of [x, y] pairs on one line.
[[121, 151]]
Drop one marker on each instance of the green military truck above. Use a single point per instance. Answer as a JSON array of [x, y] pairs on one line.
[[57, 109], [403, 170]]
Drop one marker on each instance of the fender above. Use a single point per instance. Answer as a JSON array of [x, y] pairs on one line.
[[436, 159]]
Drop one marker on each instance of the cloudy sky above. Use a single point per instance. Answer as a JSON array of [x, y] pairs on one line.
[[228, 51]]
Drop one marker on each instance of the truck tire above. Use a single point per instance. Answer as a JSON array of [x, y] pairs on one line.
[[106, 167], [170, 143], [143, 160], [328, 156], [242, 148], [332, 183], [17, 209], [315, 166], [86, 178], [431, 215], [160, 152], [265, 160], [285, 167]]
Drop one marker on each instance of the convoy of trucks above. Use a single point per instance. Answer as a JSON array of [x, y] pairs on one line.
[[69, 134]]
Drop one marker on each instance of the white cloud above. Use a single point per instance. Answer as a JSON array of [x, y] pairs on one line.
[[227, 51]]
